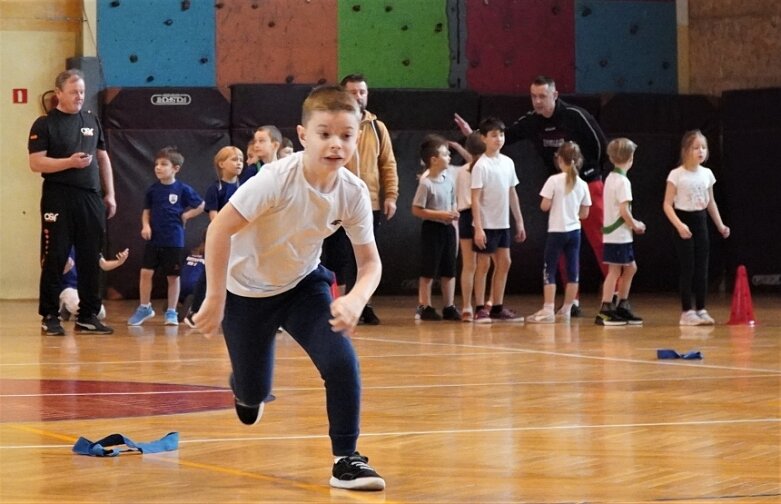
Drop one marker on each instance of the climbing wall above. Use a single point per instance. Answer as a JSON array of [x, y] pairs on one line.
[[276, 41], [395, 43], [156, 42], [509, 42], [625, 46]]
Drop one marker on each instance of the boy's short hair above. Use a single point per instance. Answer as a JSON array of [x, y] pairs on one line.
[[490, 124], [170, 153], [329, 99], [621, 150], [273, 132], [356, 77], [429, 148]]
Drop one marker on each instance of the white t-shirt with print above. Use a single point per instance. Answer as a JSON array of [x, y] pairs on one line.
[[495, 176], [617, 190], [692, 188], [288, 220], [565, 206]]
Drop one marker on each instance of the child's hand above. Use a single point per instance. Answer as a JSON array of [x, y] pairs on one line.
[[479, 238], [122, 257], [520, 234], [684, 232], [639, 227], [464, 126], [208, 318], [146, 233], [345, 311], [724, 231]]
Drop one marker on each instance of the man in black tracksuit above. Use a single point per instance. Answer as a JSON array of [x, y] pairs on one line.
[[68, 149]]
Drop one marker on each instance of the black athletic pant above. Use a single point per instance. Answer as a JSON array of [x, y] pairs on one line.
[[338, 255], [71, 217], [693, 258]]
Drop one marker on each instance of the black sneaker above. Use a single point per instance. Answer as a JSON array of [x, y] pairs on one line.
[[575, 310], [368, 316], [451, 313], [92, 325], [626, 314], [50, 326], [355, 473], [248, 415], [609, 318], [429, 313]]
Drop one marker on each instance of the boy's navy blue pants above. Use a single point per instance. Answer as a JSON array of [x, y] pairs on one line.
[[250, 328], [70, 217]]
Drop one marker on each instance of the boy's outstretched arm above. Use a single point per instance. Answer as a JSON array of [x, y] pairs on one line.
[[108, 265], [218, 249], [347, 309]]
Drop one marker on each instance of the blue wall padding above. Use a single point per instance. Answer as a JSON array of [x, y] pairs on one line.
[[156, 42], [626, 46]]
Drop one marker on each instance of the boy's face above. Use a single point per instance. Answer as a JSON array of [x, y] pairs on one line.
[[494, 141], [360, 92], [165, 171], [441, 160], [263, 147], [329, 138], [71, 96]]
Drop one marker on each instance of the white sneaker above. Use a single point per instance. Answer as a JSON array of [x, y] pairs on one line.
[[564, 315], [705, 317], [690, 318], [542, 317]]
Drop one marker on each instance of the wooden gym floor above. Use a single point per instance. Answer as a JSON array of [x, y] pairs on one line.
[[452, 412]]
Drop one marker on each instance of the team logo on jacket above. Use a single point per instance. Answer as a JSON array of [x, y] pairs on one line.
[[50, 217], [173, 198], [88, 131]]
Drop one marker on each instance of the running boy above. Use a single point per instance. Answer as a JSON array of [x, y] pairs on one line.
[[435, 203], [618, 252], [493, 200], [263, 272], [168, 205]]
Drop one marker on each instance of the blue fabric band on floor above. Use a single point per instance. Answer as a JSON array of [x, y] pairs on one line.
[[84, 446], [672, 354]]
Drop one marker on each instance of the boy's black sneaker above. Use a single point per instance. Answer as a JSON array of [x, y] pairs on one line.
[[50, 326], [429, 313], [451, 313], [609, 318], [355, 473], [92, 325], [248, 415], [626, 314], [368, 316], [575, 311]]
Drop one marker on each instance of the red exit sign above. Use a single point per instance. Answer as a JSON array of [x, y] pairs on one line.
[[19, 95]]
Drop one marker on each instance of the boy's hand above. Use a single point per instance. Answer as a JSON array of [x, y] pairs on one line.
[[639, 227], [520, 234], [724, 231], [479, 238], [684, 232], [146, 233], [345, 311], [209, 317]]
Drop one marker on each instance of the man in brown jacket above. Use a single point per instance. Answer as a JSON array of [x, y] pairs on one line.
[[375, 164]]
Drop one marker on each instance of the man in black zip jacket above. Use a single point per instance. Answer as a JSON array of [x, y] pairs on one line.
[[551, 123]]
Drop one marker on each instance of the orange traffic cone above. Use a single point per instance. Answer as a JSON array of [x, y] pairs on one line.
[[742, 311]]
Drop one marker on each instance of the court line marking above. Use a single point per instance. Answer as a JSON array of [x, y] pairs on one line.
[[245, 439], [166, 457], [404, 387]]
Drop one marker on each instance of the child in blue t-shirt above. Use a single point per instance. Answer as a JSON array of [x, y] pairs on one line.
[[168, 205]]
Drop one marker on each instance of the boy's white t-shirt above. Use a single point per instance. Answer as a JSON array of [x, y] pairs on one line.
[[691, 188], [495, 176], [288, 220], [617, 190], [565, 206]]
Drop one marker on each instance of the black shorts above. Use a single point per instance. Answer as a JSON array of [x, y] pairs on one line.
[[465, 229], [494, 239], [437, 250], [167, 259]]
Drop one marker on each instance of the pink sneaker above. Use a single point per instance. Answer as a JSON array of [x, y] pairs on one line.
[[483, 316], [506, 315]]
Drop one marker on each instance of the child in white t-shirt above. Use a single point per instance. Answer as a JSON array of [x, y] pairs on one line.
[[566, 196]]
